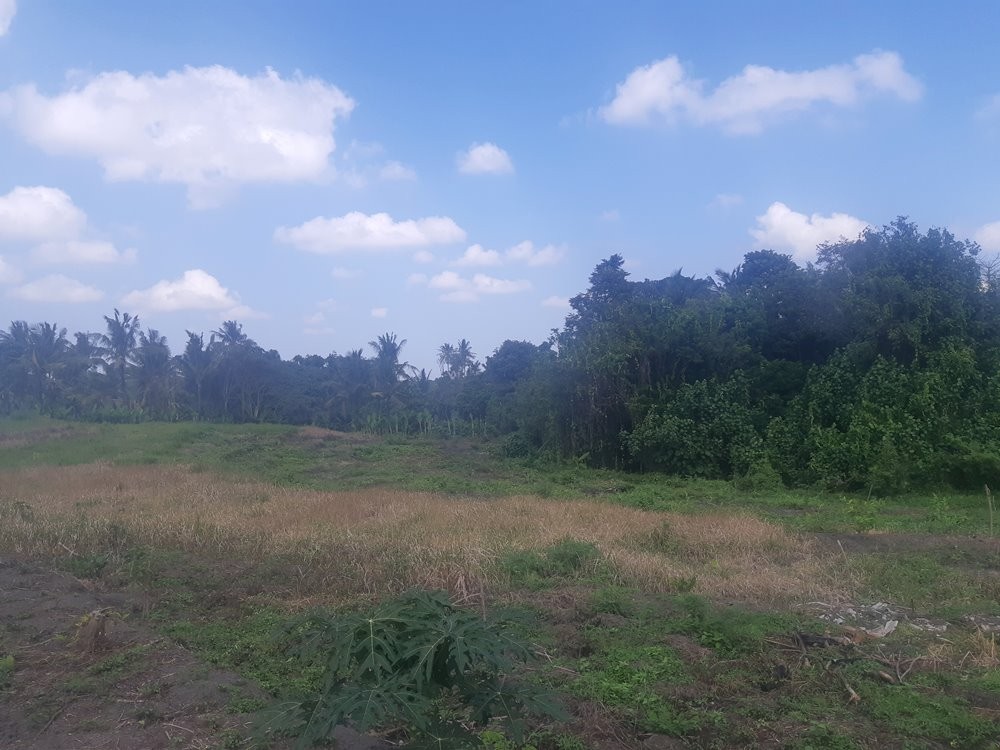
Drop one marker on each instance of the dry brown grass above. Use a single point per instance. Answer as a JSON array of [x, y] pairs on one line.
[[372, 541]]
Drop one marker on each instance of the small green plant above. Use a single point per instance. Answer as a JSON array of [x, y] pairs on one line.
[[569, 556], [862, 513], [85, 566], [565, 558], [418, 661], [944, 518], [612, 601]]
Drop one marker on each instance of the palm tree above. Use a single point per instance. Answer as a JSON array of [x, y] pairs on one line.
[[119, 345], [49, 348], [446, 358], [388, 369], [231, 334], [196, 363], [465, 358], [156, 373], [30, 358]]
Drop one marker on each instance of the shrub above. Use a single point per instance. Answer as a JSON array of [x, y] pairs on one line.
[[418, 661]]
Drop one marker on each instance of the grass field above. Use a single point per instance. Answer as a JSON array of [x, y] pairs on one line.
[[661, 612]]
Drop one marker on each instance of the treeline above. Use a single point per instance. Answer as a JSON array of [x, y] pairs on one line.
[[874, 368]]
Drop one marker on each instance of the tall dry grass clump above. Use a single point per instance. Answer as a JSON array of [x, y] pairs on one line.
[[376, 541]]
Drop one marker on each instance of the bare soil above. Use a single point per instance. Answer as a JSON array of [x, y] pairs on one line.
[[82, 687]]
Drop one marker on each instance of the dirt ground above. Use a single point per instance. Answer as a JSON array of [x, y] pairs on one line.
[[89, 674]]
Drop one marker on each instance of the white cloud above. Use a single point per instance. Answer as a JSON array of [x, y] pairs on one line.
[[39, 214], [610, 215], [988, 236], [484, 158], [726, 200], [358, 231], [195, 290], [207, 128], [344, 274], [81, 251], [477, 255], [57, 288], [394, 171], [242, 312], [663, 92], [423, 256], [315, 319], [560, 303], [8, 274], [525, 252], [8, 8], [457, 288], [781, 228], [380, 312]]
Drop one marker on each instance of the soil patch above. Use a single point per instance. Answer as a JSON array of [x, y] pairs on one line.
[[88, 673]]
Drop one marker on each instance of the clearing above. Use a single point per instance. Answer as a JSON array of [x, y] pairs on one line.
[[147, 573]]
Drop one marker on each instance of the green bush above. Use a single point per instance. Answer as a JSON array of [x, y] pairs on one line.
[[418, 661]]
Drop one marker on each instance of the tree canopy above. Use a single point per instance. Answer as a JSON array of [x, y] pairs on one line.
[[876, 367]]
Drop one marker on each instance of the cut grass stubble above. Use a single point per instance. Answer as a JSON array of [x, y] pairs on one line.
[[378, 541]]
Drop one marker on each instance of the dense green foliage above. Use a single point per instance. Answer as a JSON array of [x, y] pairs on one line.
[[873, 369], [417, 661]]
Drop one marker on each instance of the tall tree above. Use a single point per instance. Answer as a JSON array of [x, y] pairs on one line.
[[156, 375], [119, 345]]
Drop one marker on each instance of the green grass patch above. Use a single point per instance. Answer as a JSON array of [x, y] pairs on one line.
[[927, 586]]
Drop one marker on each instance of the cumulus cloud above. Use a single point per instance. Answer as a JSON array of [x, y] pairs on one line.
[[39, 214], [57, 288], [358, 231], [560, 303], [380, 312], [477, 255], [194, 290], [523, 252], [423, 256], [206, 128], [664, 92], [8, 274], [81, 251], [484, 158], [8, 9], [988, 236], [457, 288], [47, 216], [526, 252], [781, 228]]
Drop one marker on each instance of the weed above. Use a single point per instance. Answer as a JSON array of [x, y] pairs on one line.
[[84, 566], [821, 736], [612, 601], [405, 663], [627, 676]]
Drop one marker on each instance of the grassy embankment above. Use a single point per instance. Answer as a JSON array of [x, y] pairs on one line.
[[663, 607]]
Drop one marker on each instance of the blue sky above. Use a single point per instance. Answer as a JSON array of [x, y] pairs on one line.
[[325, 172]]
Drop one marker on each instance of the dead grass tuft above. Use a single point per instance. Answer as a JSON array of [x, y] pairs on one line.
[[378, 540]]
